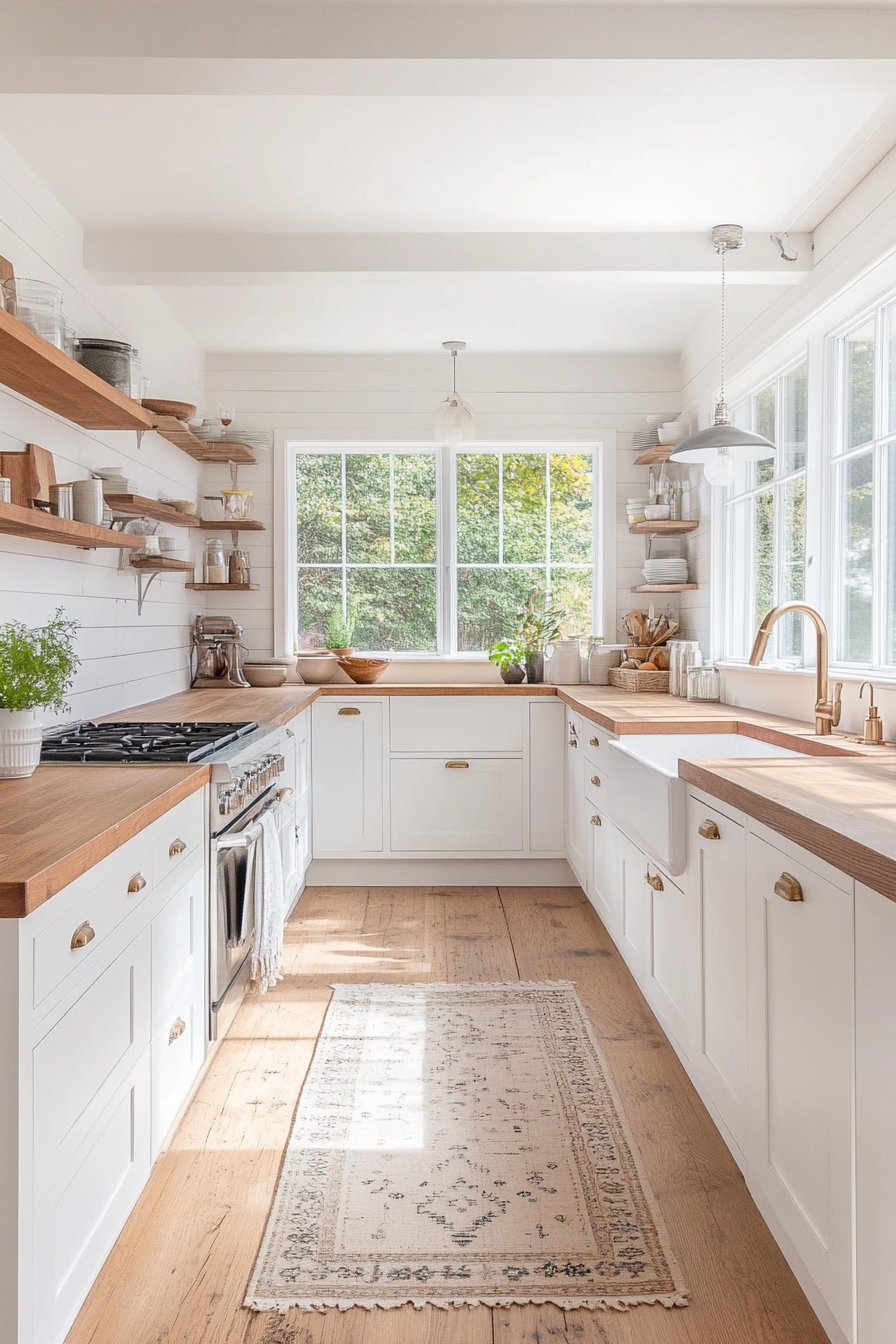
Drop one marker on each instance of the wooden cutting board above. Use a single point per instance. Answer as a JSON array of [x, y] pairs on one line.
[[31, 473]]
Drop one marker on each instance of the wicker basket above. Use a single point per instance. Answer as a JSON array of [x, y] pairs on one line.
[[631, 679]]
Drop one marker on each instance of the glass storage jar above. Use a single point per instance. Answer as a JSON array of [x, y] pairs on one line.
[[237, 504], [214, 568], [38, 306], [109, 360], [238, 567], [704, 683]]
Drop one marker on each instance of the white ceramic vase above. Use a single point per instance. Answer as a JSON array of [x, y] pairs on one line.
[[21, 735]]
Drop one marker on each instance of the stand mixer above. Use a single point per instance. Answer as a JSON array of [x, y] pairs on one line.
[[219, 653]]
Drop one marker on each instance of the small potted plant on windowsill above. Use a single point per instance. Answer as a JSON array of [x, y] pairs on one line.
[[341, 632], [37, 667], [508, 657], [537, 625]]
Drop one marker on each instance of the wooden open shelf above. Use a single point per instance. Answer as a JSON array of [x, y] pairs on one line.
[[661, 452], [222, 525], [162, 566], [36, 369], [665, 588], [225, 587], [136, 506], [40, 526], [201, 450], [665, 527]]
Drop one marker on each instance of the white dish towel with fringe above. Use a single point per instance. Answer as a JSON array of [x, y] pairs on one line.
[[270, 912]]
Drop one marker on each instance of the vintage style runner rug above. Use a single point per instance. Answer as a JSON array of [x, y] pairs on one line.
[[461, 1145]]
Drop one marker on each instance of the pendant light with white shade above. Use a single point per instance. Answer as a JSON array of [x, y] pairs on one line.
[[719, 448], [454, 419]]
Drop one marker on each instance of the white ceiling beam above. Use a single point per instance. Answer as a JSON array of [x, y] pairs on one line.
[[270, 29], [189, 258]]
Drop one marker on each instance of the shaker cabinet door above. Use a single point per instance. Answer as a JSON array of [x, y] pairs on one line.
[[347, 777]]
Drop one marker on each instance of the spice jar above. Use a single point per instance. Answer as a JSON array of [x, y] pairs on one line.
[[238, 567], [214, 568]]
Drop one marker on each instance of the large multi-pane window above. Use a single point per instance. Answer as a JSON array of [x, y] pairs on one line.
[[863, 488], [765, 521], [436, 550]]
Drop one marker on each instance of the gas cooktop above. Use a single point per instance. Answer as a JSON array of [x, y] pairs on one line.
[[140, 743]]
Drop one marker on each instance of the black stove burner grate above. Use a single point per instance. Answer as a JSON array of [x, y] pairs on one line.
[[136, 743]]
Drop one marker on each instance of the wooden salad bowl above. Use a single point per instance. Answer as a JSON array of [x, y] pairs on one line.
[[364, 671]]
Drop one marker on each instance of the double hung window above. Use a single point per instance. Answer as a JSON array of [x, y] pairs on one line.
[[435, 550]]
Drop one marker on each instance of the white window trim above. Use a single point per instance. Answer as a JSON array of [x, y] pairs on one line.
[[287, 445]]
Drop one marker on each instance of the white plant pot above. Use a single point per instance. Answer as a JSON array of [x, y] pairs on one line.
[[21, 735]]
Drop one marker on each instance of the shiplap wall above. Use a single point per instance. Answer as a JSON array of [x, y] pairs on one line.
[[126, 658], [389, 398]]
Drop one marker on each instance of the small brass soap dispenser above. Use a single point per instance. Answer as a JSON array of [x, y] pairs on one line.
[[873, 734]]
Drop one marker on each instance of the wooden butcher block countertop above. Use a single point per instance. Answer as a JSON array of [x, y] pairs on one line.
[[844, 811], [66, 818]]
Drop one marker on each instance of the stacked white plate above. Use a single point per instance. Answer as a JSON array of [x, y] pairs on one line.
[[665, 571]]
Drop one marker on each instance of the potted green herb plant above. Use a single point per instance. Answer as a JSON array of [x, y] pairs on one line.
[[508, 656], [341, 632], [537, 625], [37, 667]]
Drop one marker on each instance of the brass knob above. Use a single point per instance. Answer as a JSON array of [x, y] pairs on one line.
[[284, 795], [654, 880], [176, 847], [788, 888], [137, 883], [596, 821], [573, 742], [595, 741], [82, 935], [349, 710], [457, 765], [595, 780], [178, 1028], [709, 830]]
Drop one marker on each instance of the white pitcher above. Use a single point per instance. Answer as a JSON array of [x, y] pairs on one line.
[[563, 658]]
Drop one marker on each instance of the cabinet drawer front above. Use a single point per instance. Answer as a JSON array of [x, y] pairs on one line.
[[89, 921], [178, 948], [178, 1049], [76, 1226], [443, 805], [596, 746], [597, 786], [179, 838], [84, 1057], [456, 723]]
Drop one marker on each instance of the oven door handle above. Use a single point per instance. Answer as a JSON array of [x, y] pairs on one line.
[[243, 839]]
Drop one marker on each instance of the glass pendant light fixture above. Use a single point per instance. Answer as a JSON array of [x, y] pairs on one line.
[[719, 448], [454, 419]]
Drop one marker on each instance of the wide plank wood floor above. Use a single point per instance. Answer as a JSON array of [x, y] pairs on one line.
[[178, 1273]]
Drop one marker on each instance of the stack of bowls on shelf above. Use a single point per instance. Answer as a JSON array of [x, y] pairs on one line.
[[672, 431], [635, 510], [665, 571]]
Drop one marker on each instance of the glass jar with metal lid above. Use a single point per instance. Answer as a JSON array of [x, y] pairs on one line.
[[109, 360], [215, 566]]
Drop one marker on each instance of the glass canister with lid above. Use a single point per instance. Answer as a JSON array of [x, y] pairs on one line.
[[109, 360], [704, 683], [38, 305], [214, 566]]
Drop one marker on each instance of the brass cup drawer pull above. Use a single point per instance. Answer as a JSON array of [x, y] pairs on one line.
[[573, 742], [290, 733], [176, 847], [457, 765], [177, 1030], [137, 883], [595, 742], [788, 888], [596, 821], [82, 935], [595, 780], [654, 880], [709, 830], [346, 713]]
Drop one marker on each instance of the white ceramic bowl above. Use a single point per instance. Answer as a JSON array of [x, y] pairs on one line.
[[656, 513], [316, 668], [259, 674]]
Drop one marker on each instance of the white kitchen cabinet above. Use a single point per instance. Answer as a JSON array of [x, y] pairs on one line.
[[667, 952], [299, 734], [456, 805], [603, 888], [547, 756], [800, 1045], [347, 776], [875, 1115], [716, 878], [631, 868], [576, 822], [439, 725], [178, 1052]]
